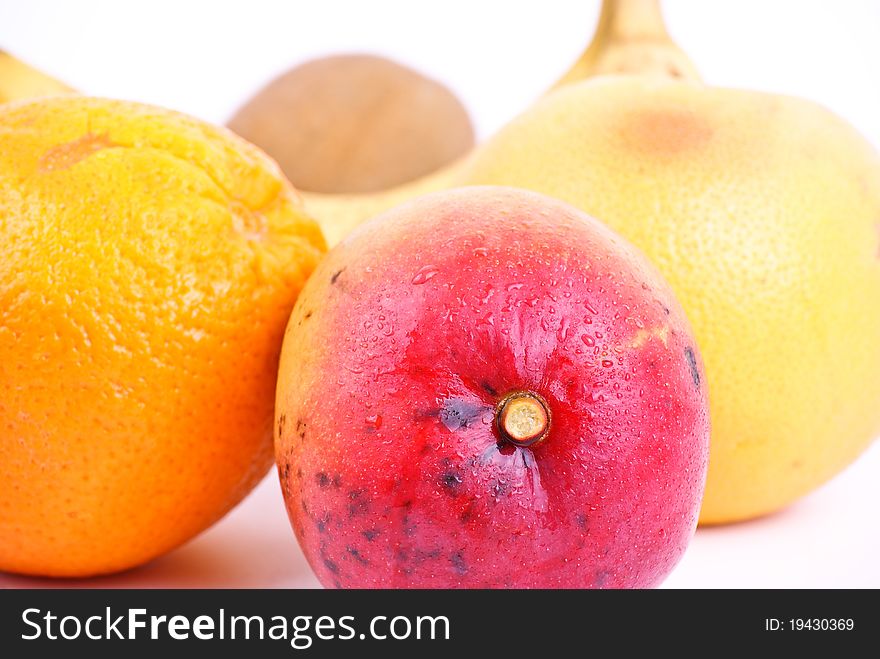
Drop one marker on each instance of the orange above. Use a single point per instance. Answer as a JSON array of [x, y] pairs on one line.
[[149, 264]]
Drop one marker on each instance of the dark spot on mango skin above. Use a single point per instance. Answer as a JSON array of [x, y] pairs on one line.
[[308, 315], [451, 481], [601, 579], [323, 480], [282, 419], [370, 534], [458, 563], [692, 365], [336, 275], [468, 513], [358, 504], [489, 389], [301, 429], [356, 555], [323, 523], [581, 520], [419, 556], [330, 565], [450, 477], [504, 448], [457, 413]]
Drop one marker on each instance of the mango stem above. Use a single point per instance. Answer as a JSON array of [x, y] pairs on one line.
[[523, 418]]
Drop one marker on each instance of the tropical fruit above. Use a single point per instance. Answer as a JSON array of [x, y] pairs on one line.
[[487, 388], [355, 123]]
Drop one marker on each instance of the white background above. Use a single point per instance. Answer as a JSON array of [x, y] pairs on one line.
[[206, 58]]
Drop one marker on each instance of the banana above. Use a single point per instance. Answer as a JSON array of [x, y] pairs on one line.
[[631, 37], [340, 214], [19, 80]]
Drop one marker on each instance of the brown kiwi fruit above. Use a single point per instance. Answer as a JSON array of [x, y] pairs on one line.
[[355, 123]]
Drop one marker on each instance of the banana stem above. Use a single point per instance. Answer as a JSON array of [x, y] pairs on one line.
[[631, 20], [631, 38]]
